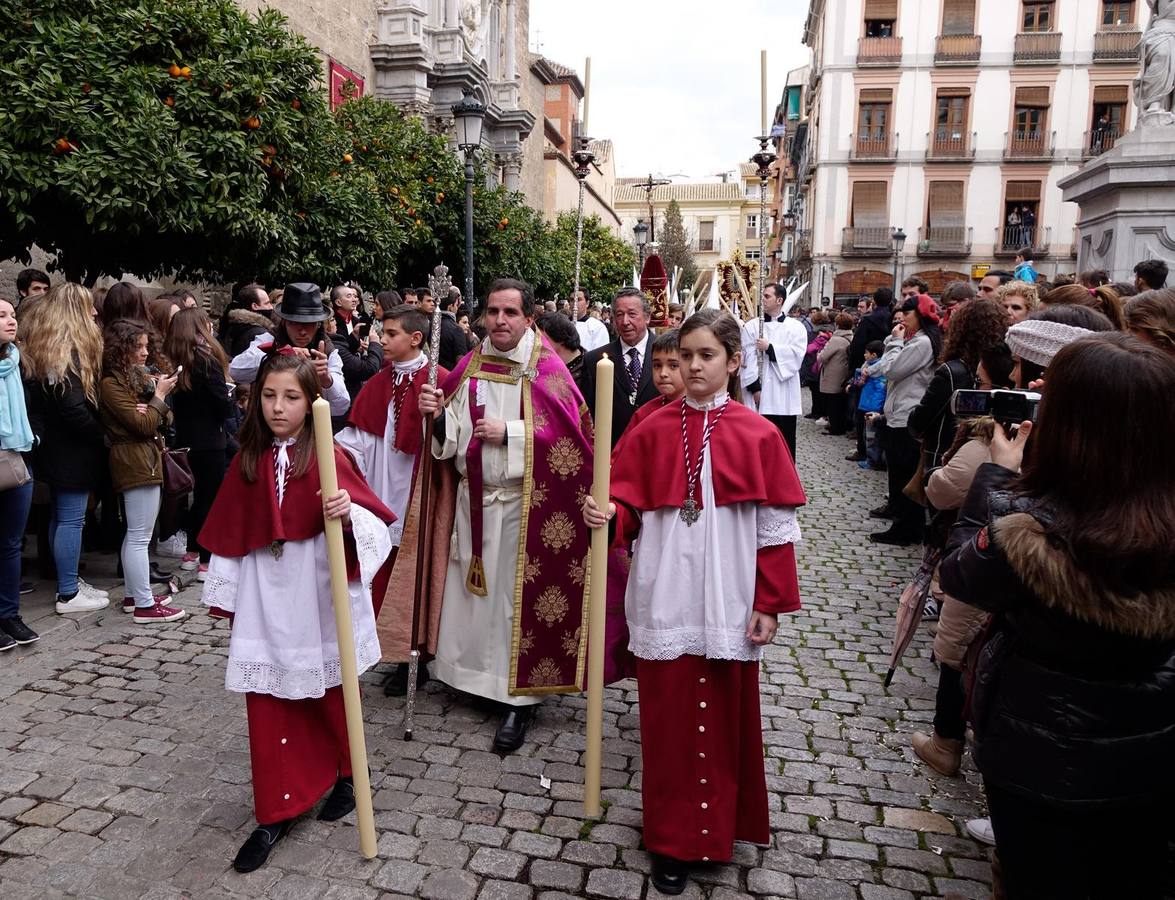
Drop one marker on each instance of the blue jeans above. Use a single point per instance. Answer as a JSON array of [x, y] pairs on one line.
[[14, 515], [65, 535]]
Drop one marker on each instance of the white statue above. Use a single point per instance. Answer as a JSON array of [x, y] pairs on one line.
[[1155, 88], [473, 26]]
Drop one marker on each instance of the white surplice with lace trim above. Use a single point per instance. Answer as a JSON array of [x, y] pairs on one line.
[[691, 589], [387, 470], [283, 639]]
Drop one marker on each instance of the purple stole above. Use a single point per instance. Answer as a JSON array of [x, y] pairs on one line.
[[549, 643]]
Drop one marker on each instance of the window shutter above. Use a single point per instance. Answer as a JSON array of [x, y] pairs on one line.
[[1032, 97], [958, 17], [884, 10], [1023, 192], [870, 209], [946, 204], [877, 95], [706, 230], [1111, 93], [954, 92]]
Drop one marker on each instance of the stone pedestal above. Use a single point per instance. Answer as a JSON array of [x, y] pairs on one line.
[[1127, 200]]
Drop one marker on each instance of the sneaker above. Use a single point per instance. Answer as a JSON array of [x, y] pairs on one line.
[[863, 464], [87, 588], [930, 610], [128, 603], [27, 587], [6, 643], [882, 512], [160, 612], [202, 572], [80, 602], [981, 830], [175, 546], [190, 562], [15, 628], [158, 575]]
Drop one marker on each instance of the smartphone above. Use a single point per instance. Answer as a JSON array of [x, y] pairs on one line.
[[178, 369]]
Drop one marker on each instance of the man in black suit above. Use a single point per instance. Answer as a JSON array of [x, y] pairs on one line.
[[631, 353]]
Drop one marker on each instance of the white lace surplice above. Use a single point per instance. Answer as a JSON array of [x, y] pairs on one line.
[[283, 639], [691, 589]]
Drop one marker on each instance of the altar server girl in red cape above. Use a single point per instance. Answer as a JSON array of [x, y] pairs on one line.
[[713, 566], [269, 573]]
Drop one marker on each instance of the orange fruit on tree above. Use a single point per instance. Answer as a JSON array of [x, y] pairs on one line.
[[252, 123], [174, 70], [86, 88], [170, 101], [440, 196], [186, 71], [295, 103], [346, 157]]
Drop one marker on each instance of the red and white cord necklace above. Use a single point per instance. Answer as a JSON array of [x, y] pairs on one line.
[[693, 470]]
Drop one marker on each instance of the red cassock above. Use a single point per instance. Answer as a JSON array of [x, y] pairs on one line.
[[703, 780], [298, 748]]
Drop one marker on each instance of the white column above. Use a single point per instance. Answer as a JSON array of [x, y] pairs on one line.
[[511, 17], [451, 14]]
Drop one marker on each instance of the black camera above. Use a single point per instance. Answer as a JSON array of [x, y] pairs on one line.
[[1006, 407]]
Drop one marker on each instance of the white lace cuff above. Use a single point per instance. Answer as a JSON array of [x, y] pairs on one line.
[[220, 583], [373, 542], [777, 525]]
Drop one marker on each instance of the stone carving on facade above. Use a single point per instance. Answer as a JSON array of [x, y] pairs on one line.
[[474, 15], [1155, 87]]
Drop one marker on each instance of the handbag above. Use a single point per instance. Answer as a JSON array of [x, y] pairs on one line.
[[13, 471], [177, 473], [915, 489]]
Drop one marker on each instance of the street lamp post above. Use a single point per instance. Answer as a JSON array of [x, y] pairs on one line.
[[583, 158], [899, 241], [648, 186], [641, 231], [789, 225], [469, 116]]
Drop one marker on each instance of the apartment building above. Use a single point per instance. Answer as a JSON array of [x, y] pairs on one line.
[[949, 121]]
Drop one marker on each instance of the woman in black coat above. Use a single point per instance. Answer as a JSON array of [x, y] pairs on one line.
[[1073, 705], [201, 404]]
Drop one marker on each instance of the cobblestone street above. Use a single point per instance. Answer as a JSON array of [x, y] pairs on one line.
[[124, 770]]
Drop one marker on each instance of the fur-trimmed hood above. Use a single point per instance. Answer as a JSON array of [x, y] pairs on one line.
[[250, 318], [1052, 575]]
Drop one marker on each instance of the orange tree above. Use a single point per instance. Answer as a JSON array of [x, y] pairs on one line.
[[177, 136]]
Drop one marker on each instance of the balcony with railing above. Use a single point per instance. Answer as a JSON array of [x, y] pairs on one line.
[[803, 245], [1037, 47], [873, 147], [879, 51], [1010, 238], [939, 240], [1099, 141], [1116, 43], [867, 241], [949, 145], [1034, 144], [957, 49], [706, 245]]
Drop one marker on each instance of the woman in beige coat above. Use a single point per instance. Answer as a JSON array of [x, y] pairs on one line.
[[834, 374]]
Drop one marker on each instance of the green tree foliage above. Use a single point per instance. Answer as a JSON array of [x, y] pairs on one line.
[[673, 243], [606, 264]]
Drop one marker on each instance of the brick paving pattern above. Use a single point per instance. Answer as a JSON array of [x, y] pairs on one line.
[[124, 764]]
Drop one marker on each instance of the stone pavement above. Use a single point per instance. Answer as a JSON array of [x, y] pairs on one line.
[[124, 770]]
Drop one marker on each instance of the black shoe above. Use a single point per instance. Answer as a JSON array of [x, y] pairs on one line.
[[512, 729], [16, 629], [882, 512], [396, 684], [855, 457], [6, 642], [895, 537], [670, 876], [340, 802], [158, 574], [27, 587], [255, 851]]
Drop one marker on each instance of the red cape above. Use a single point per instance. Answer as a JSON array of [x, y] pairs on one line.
[[245, 515], [750, 461], [369, 412]]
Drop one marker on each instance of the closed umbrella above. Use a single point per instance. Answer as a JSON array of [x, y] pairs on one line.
[[910, 607]]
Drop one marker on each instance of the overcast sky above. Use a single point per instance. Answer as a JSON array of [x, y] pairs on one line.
[[675, 83]]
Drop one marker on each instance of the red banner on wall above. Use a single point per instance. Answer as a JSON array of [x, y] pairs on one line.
[[344, 84]]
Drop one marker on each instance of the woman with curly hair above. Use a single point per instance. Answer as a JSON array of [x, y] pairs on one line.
[[1019, 299], [975, 328], [1104, 299], [125, 302], [133, 405], [62, 361], [1151, 316]]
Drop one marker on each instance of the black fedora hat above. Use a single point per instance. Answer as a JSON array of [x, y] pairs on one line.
[[302, 302]]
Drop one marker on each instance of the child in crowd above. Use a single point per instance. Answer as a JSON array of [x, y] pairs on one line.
[[385, 433], [269, 574], [871, 383], [714, 566], [666, 378], [232, 427]]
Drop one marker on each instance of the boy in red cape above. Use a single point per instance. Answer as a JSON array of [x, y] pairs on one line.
[[714, 567], [269, 573], [385, 434]]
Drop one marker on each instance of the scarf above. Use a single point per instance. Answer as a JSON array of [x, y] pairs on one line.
[[15, 431]]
